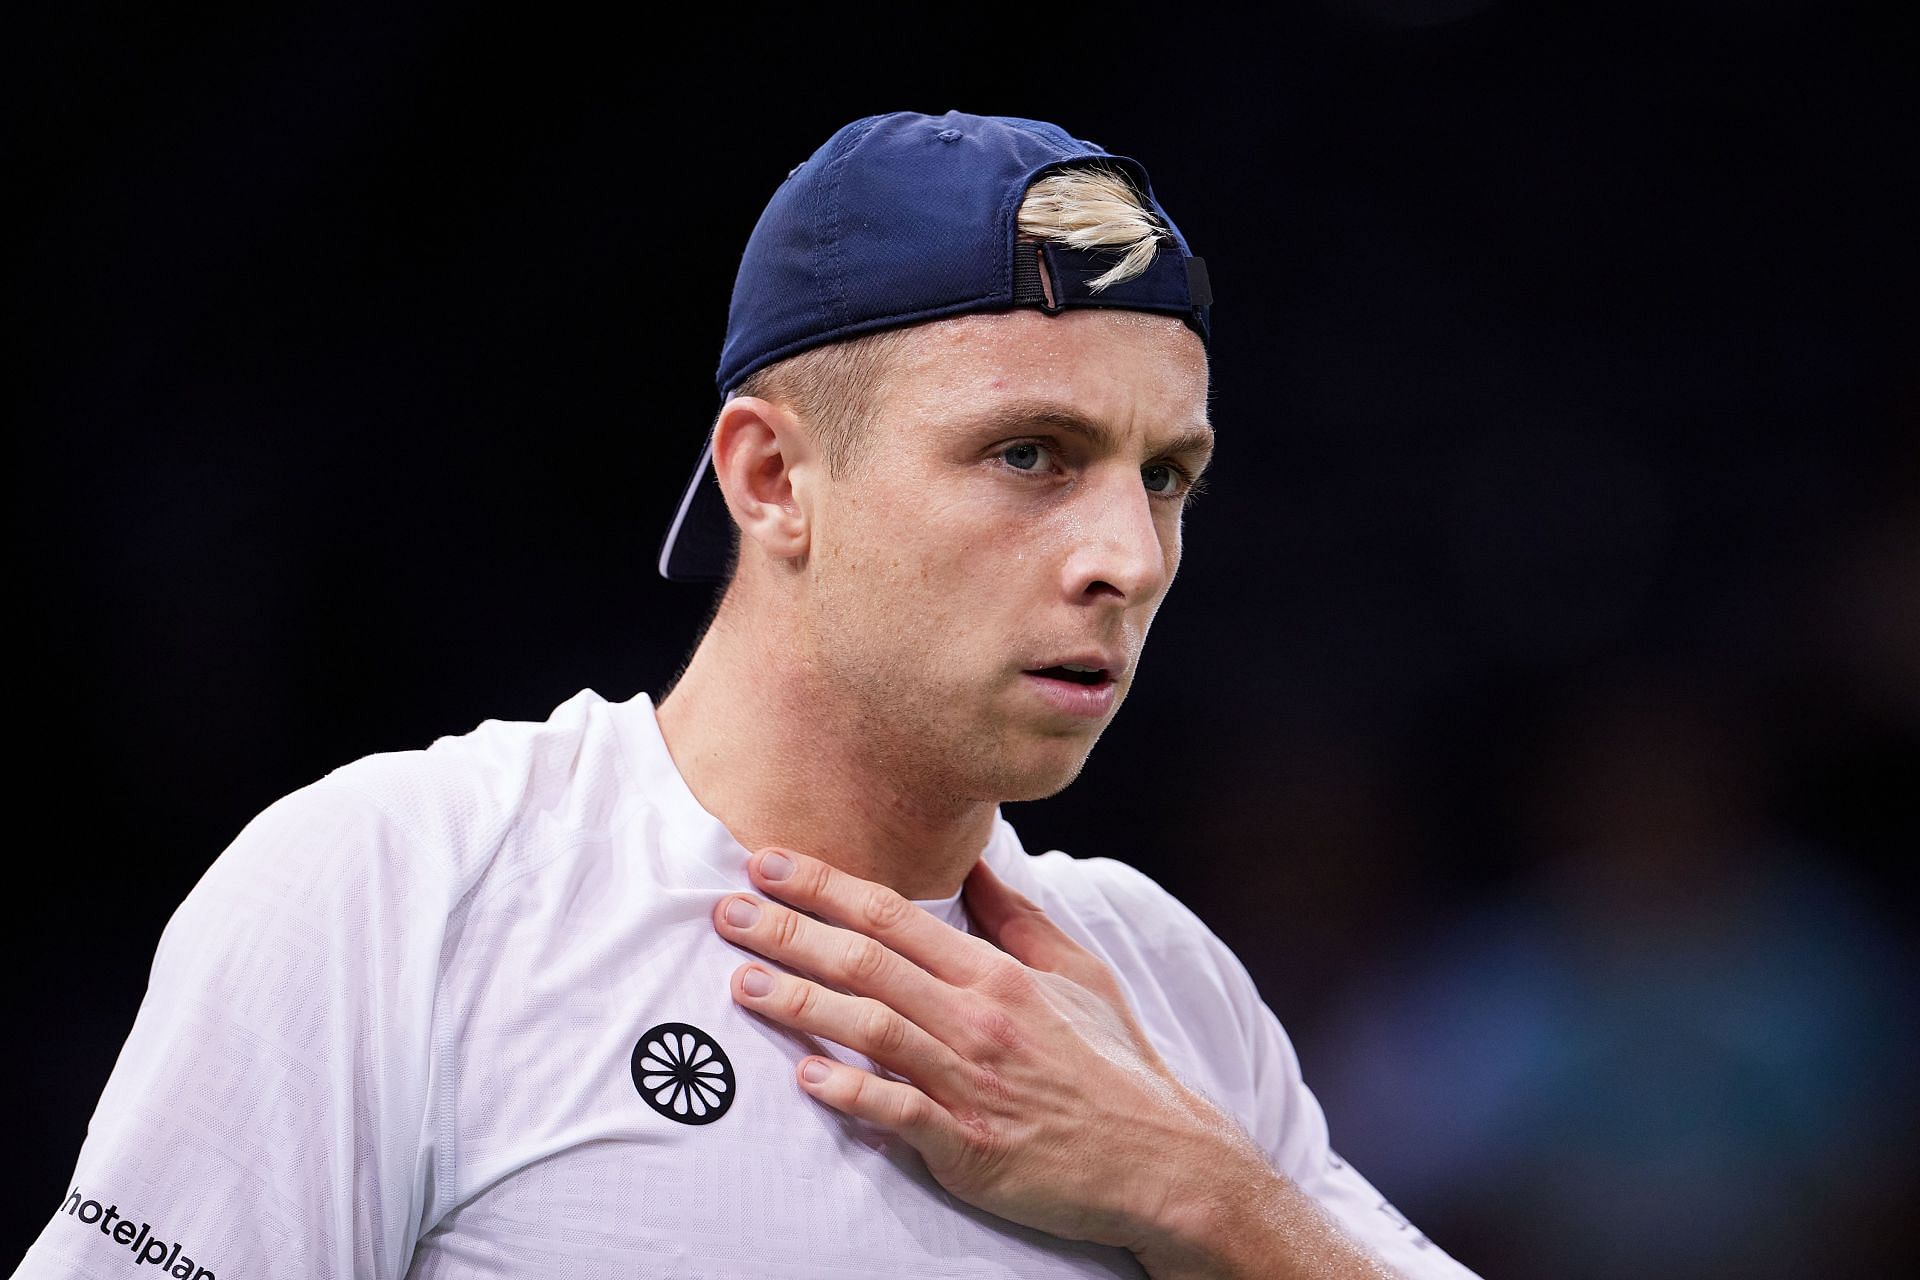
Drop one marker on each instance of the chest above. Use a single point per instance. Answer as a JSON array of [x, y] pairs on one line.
[[613, 1112]]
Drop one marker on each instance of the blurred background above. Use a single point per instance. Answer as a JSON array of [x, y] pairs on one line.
[[1537, 712]]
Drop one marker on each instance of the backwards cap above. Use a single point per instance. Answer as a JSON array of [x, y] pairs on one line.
[[901, 218]]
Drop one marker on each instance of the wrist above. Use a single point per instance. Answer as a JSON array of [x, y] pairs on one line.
[[1230, 1216], [1215, 1206]]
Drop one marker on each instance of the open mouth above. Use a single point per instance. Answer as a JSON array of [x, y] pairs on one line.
[[1072, 675]]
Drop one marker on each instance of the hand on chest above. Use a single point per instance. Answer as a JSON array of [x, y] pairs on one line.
[[657, 1121]]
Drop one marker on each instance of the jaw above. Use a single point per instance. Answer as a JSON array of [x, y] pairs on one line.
[[1033, 761]]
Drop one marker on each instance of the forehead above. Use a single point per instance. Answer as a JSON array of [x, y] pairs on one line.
[[1110, 363]]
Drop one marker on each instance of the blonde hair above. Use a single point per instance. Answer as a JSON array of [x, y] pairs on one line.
[[833, 388], [1093, 207]]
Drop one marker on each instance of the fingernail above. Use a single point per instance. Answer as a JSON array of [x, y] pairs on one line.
[[776, 866], [741, 913], [814, 1072], [756, 982]]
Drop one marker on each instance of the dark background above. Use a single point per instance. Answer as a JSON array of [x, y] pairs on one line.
[[1536, 712]]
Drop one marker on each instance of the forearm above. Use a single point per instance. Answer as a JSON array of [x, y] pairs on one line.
[[1229, 1216]]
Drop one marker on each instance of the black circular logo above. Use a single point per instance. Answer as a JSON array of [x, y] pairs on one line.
[[683, 1074]]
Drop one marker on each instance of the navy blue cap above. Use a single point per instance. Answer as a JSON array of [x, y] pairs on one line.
[[902, 218]]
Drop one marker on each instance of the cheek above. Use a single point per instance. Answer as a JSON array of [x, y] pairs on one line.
[[935, 585]]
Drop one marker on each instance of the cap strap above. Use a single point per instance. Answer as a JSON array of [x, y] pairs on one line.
[[1173, 282]]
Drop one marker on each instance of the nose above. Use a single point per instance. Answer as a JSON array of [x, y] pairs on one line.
[[1118, 546]]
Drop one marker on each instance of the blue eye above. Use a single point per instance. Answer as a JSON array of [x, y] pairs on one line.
[[1025, 446], [1173, 477]]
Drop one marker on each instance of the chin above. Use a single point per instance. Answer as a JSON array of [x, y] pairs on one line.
[[1038, 791], [1048, 772]]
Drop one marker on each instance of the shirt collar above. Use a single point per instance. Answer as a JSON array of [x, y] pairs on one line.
[[658, 780]]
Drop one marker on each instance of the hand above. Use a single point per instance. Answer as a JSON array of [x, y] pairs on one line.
[[1030, 1089]]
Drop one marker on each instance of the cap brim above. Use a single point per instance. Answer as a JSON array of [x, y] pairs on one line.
[[701, 536]]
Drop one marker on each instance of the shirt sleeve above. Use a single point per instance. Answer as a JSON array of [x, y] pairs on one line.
[[270, 1113], [1289, 1125]]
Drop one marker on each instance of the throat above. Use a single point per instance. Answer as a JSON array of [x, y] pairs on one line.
[[813, 786]]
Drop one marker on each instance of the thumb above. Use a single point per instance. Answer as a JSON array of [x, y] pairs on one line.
[[1017, 925]]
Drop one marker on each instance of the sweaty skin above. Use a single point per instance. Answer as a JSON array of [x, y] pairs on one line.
[[858, 709]]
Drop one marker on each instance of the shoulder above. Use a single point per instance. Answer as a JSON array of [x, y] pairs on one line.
[[1110, 895], [411, 832], [1154, 941], [463, 799]]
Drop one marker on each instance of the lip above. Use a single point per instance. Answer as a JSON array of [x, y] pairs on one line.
[[1086, 701], [1113, 664]]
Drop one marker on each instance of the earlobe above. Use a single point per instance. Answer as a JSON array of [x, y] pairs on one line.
[[758, 453]]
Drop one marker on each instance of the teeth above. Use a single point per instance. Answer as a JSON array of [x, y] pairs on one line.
[[1074, 666]]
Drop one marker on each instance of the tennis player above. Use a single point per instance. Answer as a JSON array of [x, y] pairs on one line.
[[756, 980]]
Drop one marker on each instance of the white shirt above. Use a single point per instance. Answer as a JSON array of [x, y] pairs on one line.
[[408, 1022]]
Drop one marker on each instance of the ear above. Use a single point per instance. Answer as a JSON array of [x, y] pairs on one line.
[[763, 459]]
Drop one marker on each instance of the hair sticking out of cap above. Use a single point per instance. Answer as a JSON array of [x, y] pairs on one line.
[[1093, 206], [838, 271]]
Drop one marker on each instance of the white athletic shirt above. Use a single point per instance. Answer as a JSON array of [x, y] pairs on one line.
[[413, 1021]]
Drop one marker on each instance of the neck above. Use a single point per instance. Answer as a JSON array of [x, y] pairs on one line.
[[766, 749]]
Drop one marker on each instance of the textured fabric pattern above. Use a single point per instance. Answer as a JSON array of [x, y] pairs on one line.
[[392, 1032]]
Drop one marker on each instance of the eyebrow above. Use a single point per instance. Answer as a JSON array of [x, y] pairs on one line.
[[1193, 445]]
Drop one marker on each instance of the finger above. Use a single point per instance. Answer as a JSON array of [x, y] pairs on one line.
[[854, 962], [1020, 926], [892, 1105], [863, 1024], [873, 909]]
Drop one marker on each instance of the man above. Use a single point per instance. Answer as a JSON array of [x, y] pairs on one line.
[[758, 981]]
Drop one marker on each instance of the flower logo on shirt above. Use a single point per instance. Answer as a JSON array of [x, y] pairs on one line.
[[683, 1074]]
